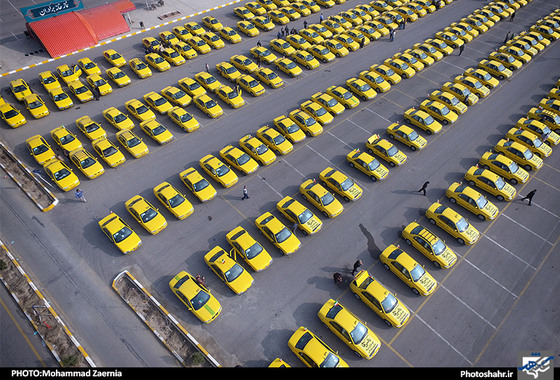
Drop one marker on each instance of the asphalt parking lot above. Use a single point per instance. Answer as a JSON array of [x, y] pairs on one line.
[[500, 298]]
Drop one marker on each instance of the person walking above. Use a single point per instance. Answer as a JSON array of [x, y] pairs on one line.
[[461, 48], [207, 69], [80, 195], [392, 35], [529, 196], [507, 37], [512, 16], [95, 93], [337, 278], [423, 188], [304, 24], [357, 264], [245, 193], [321, 18], [259, 43]]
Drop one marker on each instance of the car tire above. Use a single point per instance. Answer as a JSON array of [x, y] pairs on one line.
[[391, 164], [453, 200], [445, 122], [351, 164], [500, 198], [386, 266], [428, 132], [471, 183], [387, 323], [412, 148], [501, 77], [481, 217], [373, 178], [436, 264], [527, 167], [415, 291], [326, 214], [408, 242], [513, 181], [460, 241], [433, 221], [347, 199]]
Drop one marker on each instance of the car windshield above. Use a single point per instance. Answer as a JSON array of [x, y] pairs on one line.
[[109, 151], [392, 151], [292, 128], [438, 247], [186, 117], [390, 72], [158, 130], [279, 139], [35, 104], [462, 224], [444, 110], [46, 80], [232, 94], [253, 83], [327, 199], [417, 272], [527, 153], [346, 184], [62, 173], [359, 332], [500, 183], [87, 162], [122, 234], [11, 113], [253, 250], [222, 170], [176, 200], [199, 300], [373, 164], [201, 185], [234, 272], [283, 235], [148, 215], [304, 216], [82, 89], [389, 303], [60, 96], [243, 159], [133, 142], [481, 202], [211, 103], [330, 361], [141, 66]]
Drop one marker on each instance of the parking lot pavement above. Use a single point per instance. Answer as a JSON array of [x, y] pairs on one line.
[[470, 319]]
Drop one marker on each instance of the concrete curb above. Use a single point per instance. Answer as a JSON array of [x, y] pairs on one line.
[[176, 323], [47, 305], [119, 38]]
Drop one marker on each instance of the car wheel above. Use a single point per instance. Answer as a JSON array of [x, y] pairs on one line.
[[412, 148], [305, 232], [436, 264], [445, 122], [481, 217], [347, 199], [471, 183], [452, 200], [325, 214], [358, 354], [513, 181], [511, 68], [501, 77], [433, 221], [351, 164], [428, 132], [500, 198], [373, 178], [415, 291], [392, 164], [387, 323], [408, 242], [364, 98], [527, 167], [386, 266], [460, 241], [357, 296]]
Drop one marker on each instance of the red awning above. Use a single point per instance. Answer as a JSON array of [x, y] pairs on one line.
[[106, 21]]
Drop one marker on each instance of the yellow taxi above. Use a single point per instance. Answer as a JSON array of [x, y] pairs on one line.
[[375, 80], [239, 159], [546, 116], [156, 131], [118, 119], [386, 72], [422, 120], [213, 40], [219, 171], [530, 140], [343, 96], [321, 198], [172, 56], [311, 36], [48, 80], [297, 213], [540, 129], [290, 12], [243, 13], [208, 105], [132, 143], [471, 200], [519, 153], [450, 39], [199, 45], [243, 63], [341, 184], [140, 68], [323, 3], [90, 128], [68, 74], [360, 88], [151, 42], [523, 45], [552, 105], [336, 48], [508, 60], [305, 59], [195, 296], [244, 245], [466, 27], [230, 96], [257, 149], [248, 28], [65, 139], [61, 98], [145, 214], [317, 111], [212, 23], [346, 326], [88, 66], [384, 149], [371, 33], [278, 17], [194, 28], [176, 96], [312, 351], [255, 8], [168, 37], [400, 67], [282, 46], [157, 62], [288, 66], [321, 52], [228, 270], [473, 84], [251, 85], [461, 33], [517, 53], [11, 115], [328, 102], [269, 77], [408, 270], [346, 41], [157, 102], [461, 92], [263, 22], [289, 129], [108, 152], [183, 119], [306, 122], [139, 110], [114, 58], [278, 234], [262, 53], [228, 71], [186, 50], [367, 164], [379, 299], [301, 9], [504, 167], [439, 111], [99, 83], [173, 200], [453, 223], [449, 100], [410, 60], [490, 182], [61, 174], [120, 233], [274, 140], [118, 76], [86, 163], [181, 33], [429, 245], [421, 56], [191, 87], [36, 106], [494, 68], [198, 185], [429, 50]]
